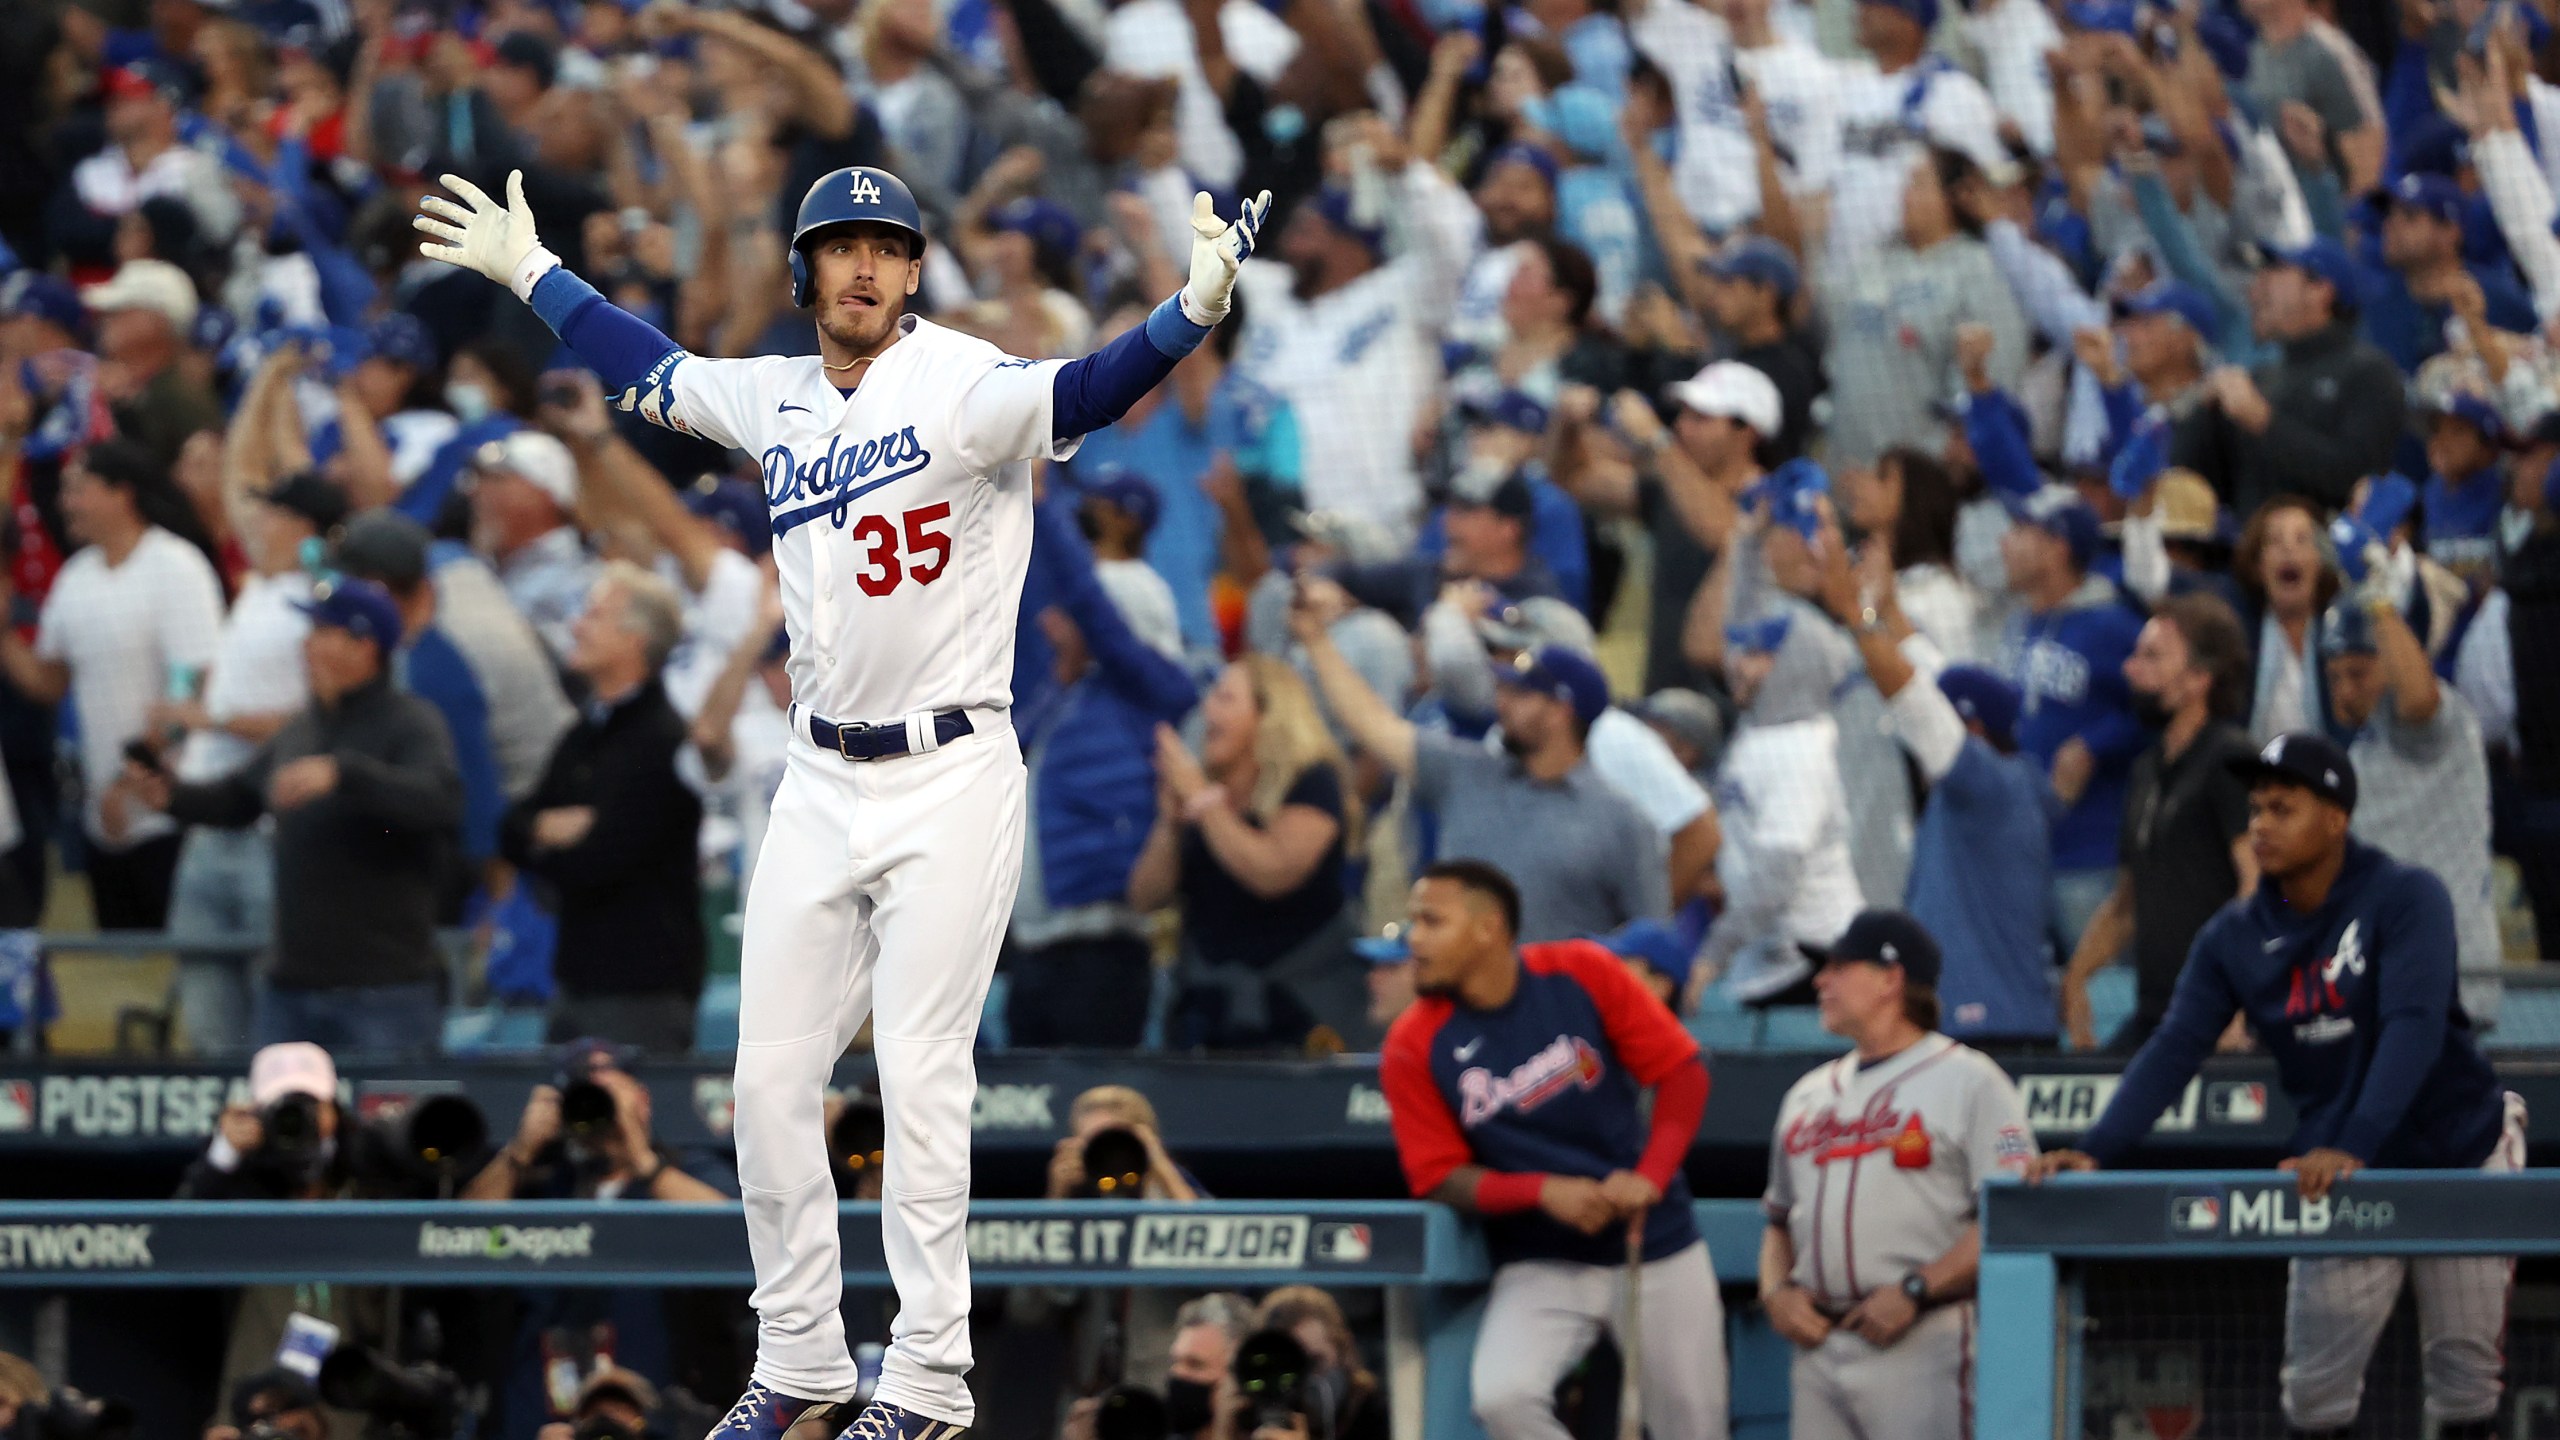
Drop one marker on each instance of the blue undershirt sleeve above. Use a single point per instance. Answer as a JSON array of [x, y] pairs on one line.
[[620, 347], [1099, 389]]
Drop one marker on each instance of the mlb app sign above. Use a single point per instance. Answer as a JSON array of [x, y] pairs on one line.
[[2275, 1212]]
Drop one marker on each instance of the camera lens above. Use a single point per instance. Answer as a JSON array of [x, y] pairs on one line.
[[1115, 1164], [585, 1106], [1130, 1412]]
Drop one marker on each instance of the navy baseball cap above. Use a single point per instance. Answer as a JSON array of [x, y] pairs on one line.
[[1123, 489], [1759, 637], [1517, 153], [738, 509], [1985, 697], [402, 340], [2479, 414], [2347, 629], [2169, 297], [1047, 223], [2437, 195], [32, 294], [1759, 260], [2310, 761], [2112, 16], [1657, 943], [2387, 502], [2323, 259], [1512, 409], [359, 607], [1923, 13], [1333, 202], [1565, 675], [1883, 937], [2058, 510], [307, 495]]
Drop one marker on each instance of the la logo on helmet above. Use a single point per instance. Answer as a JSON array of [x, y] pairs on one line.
[[863, 190]]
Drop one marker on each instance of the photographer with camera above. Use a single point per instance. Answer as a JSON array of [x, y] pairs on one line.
[[1206, 1332], [282, 1144], [273, 1405], [33, 1410], [1112, 1152], [585, 1136], [613, 1404], [1343, 1399]]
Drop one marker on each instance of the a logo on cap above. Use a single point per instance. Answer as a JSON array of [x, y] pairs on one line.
[[1890, 953], [863, 190], [2274, 753]]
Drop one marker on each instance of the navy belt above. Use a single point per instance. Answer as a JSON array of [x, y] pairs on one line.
[[862, 740]]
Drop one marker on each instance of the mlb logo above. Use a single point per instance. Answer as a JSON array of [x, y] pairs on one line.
[[17, 1106], [2239, 1102], [1343, 1244], [864, 191], [2195, 1214]]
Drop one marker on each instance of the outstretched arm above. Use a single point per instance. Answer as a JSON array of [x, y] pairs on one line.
[[1100, 388]]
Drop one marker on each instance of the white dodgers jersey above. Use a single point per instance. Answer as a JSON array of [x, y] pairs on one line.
[[1874, 1168], [901, 513]]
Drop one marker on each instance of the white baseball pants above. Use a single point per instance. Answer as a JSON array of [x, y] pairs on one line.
[[2335, 1309], [1918, 1388], [1543, 1315], [882, 891]]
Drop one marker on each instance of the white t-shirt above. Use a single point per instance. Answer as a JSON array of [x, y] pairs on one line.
[[1886, 123], [257, 670], [1153, 38], [716, 619], [901, 513], [1715, 175], [121, 629]]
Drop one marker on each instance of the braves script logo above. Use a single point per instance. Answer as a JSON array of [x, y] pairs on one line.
[[1828, 1137], [833, 481], [1567, 1061]]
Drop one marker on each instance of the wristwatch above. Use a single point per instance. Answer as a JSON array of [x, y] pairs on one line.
[[1915, 1287]]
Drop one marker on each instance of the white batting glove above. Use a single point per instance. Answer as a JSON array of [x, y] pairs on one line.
[[496, 240], [1218, 249]]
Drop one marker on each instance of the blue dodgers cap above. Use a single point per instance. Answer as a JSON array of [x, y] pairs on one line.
[[1123, 489], [1562, 674], [2388, 499], [2058, 510], [1512, 409], [1759, 260], [2169, 297], [1985, 697], [1923, 13], [2347, 628], [1517, 153], [1333, 202], [1046, 222], [2326, 260], [2314, 762], [34, 295], [403, 340], [1657, 943], [1883, 937], [2113, 16], [359, 607], [2437, 195], [1793, 492], [2479, 414], [735, 508]]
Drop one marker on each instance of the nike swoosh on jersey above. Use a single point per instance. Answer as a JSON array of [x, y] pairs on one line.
[[2274, 945], [1468, 1050], [787, 405]]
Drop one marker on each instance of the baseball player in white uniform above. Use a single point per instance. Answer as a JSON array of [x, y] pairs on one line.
[[895, 472], [1869, 1258]]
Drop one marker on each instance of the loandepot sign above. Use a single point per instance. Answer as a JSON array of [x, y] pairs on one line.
[[537, 1243]]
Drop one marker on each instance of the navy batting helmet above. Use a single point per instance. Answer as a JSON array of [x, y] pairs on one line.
[[843, 197]]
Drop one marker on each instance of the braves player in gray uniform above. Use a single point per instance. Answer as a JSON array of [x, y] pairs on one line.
[[1867, 1265], [2344, 964]]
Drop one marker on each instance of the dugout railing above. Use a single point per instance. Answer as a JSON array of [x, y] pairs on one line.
[[2209, 1245], [1428, 1262]]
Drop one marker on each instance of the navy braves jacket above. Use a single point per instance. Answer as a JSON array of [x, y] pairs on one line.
[[1547, 1084], [1097, 737], [2355, 1002]]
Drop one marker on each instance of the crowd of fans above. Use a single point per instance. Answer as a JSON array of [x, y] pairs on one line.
[[1726, 464]]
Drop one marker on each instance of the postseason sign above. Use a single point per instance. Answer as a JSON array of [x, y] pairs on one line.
[[610, 1243]]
